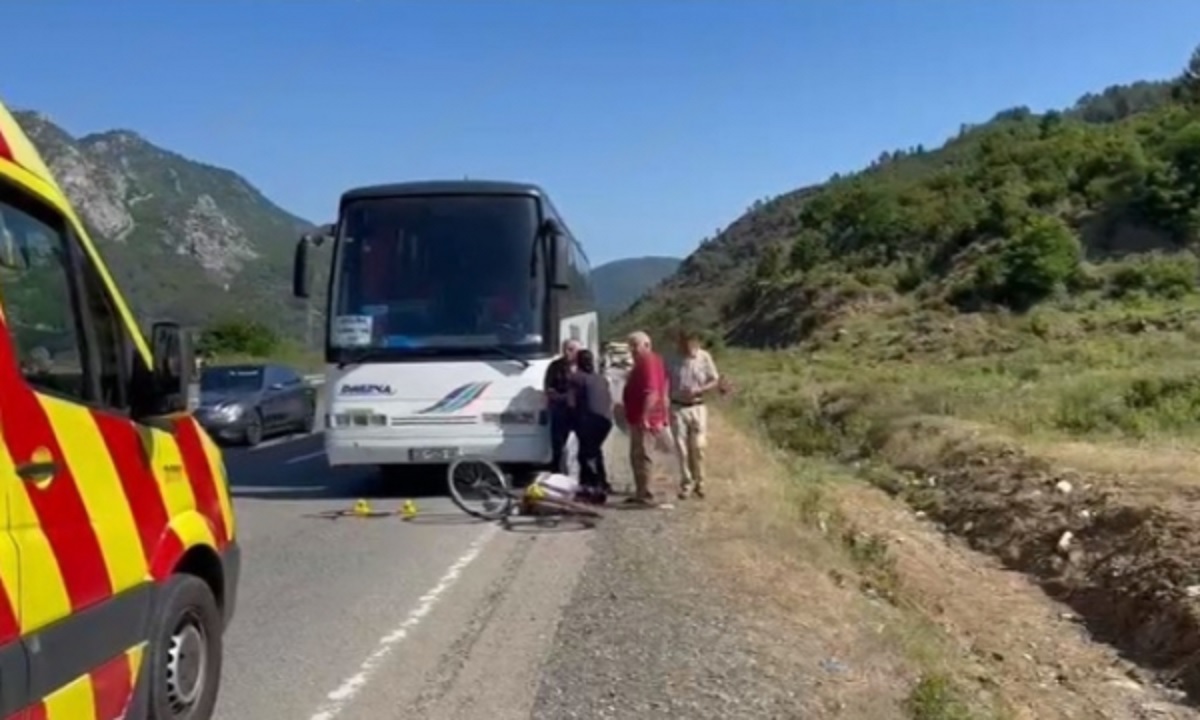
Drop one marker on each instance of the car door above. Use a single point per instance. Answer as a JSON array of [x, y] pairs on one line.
[[274, 398], [296, 397], [84, 597]]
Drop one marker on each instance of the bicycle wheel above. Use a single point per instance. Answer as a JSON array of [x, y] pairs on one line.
[[480, 488]]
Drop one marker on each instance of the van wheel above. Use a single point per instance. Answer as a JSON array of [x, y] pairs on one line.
[[185, 652]]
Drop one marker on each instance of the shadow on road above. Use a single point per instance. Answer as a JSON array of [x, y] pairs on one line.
[[266, 475], [394, 514]]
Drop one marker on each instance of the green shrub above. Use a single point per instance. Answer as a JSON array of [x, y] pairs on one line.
[[239, 337], [1167, 276], [1043, 256]]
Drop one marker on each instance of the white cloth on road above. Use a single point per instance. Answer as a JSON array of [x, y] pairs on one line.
[[560, 486]]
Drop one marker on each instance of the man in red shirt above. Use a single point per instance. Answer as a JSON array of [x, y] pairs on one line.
[[646, 412]]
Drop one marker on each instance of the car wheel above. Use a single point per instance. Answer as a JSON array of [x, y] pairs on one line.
[[254, 430], [185, 652]]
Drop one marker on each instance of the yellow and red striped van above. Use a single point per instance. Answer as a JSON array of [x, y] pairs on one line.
[[118, 560]]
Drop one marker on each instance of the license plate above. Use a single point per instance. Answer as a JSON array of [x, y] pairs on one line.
[[432, 454]]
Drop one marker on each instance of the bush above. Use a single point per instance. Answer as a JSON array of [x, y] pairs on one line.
[[239, 337], [1170, 277], [1043, 256]]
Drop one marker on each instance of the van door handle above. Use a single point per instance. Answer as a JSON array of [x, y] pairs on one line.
[[38, 471]]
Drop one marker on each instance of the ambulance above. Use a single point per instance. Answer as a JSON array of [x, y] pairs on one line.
[[118, 560]]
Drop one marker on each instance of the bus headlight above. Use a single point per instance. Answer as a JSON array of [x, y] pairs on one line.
[[358, 419]]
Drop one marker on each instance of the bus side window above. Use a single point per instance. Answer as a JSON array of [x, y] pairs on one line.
[[581, 291]]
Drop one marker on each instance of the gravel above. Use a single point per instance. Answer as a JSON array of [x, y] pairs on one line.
[[648, 635]]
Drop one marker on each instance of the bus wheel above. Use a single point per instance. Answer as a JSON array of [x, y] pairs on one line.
[[185, 651]]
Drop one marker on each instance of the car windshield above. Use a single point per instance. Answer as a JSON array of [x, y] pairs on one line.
[[226, 379], [449, 272]]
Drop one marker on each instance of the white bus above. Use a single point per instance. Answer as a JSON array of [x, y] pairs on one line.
[[447, 302]]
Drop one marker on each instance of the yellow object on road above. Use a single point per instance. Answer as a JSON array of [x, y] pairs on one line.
[[408, 510], [362, 507]]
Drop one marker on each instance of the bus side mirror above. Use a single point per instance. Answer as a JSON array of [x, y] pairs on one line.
[[300, 273], [174, 359], [560, 253]]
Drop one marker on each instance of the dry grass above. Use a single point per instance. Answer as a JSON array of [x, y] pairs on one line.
[[925, 629], [794, 556], [980, 421]]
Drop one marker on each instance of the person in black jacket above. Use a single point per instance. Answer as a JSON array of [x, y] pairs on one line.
[[557, 384], [593, 421]]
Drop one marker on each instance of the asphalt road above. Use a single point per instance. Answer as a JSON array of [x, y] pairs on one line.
[[440, 616]]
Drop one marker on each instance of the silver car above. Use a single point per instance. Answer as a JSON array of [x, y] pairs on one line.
[[248, 402]]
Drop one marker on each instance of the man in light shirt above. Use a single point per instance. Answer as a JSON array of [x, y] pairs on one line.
[[693, 377]]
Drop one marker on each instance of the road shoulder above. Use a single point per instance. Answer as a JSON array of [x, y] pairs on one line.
[[647, 635]]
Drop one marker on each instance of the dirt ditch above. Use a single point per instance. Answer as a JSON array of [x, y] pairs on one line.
[[1121, 553]]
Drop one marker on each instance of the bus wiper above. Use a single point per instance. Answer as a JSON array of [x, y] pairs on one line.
[[501, 350], [349, 357]]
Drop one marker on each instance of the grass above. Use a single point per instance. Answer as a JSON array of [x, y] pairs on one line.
[[1095, 370], [811, 554], [900, 396], [935, 697]]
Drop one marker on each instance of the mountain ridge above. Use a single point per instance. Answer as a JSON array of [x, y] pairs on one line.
[[185, 239], [1107, 174], [621, 282]]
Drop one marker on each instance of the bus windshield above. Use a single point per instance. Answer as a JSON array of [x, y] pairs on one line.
[[441, 273]]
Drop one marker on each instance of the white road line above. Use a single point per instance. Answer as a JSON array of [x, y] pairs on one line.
[[337, 700], [305, 458]]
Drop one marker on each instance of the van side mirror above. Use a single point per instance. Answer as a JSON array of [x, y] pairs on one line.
[[170, 381]]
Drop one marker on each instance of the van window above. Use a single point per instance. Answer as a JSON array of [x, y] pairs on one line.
[[36, 296], [114, 348], [50, 327]]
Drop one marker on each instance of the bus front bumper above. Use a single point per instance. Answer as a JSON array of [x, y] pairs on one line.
[[350, 447]]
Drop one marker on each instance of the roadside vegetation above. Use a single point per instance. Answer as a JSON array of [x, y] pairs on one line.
[[248, 341], [1000, 336]]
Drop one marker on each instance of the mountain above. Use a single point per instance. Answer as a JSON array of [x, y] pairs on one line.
[[187, 241], [620, 282], [1098, 199]]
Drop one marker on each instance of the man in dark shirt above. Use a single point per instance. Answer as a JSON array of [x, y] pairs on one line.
[[557, 385], [593, 423]]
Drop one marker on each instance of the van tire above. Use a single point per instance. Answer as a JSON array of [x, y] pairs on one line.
[[185, 651]]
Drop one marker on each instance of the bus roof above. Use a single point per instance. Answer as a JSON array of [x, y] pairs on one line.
[[443, 187]]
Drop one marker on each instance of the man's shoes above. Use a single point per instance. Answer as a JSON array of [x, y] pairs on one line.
[[698, 492]]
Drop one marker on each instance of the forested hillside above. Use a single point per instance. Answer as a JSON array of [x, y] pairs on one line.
[[620, 282], [1100, 200]]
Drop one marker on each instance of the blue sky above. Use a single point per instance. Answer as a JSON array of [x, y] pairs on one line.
[[652, 123]]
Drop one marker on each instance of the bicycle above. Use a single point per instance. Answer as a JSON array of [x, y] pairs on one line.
[[500, 499]]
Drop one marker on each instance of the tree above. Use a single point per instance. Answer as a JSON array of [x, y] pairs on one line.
[[1042, 257], [239, 337], [1189, 81], [808, 251]]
